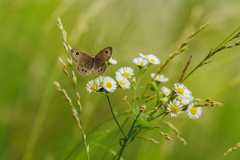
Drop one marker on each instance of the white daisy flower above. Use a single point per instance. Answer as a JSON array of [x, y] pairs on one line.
[[92, 86], [125, 72], [181, 89], [143, 56], [185, 99], [141, 62], [110, 84], [174, 108], [123, 82], [100, 80], [112, 61], [194, 112], [166, 91], [159, 78], [153, 59]]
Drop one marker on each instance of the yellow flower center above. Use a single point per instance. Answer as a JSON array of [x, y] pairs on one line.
[[94, 87], [122, 83], [141, 63], [174, 109], [109, 84], [145, 56], [180, 90], [152, 60], [125, 74], [101, 84], [193, 110], [159, 78]]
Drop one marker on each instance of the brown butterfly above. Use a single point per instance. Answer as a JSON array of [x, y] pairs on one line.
[[85, 62]]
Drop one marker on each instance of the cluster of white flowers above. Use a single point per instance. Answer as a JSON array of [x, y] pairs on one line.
[[109, 84], [143, 60], [123, 75], [184, 97]]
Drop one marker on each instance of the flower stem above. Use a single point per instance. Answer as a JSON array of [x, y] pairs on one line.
[[127, 139], [133, 111], [134, 89], [114, 116]]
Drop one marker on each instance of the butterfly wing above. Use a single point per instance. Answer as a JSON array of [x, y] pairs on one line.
[[78, 55], [99, 67], [84, 61], [84, 68], [104, 54], [101, 58]]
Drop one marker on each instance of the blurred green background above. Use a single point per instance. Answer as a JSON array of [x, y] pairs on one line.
[[37, 123]]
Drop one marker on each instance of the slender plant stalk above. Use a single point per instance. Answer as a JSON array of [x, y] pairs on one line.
[[74, 87], [212, 52], [133, 111], [114, 116], [142, 71], [181, 49], [225, 40], [82, 131], [127, 139], [135, 88]]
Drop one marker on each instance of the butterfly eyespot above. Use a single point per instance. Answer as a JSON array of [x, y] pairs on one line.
[[77, 53], [106, 52]]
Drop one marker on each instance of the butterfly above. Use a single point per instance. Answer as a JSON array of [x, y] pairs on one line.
[[85, 62]]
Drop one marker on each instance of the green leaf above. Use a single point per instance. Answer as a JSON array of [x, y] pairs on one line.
[[115, 111], [144, 124], [149, 112], [144, 116]]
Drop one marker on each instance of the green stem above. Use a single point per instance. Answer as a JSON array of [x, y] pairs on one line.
[[152, 113], [134, 97], [79, 114], [157, 116], [82, 131], [114, 116], [133, 111], [141, 74], [126, 139], [226, 39], [129, 133], [200, 64]]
